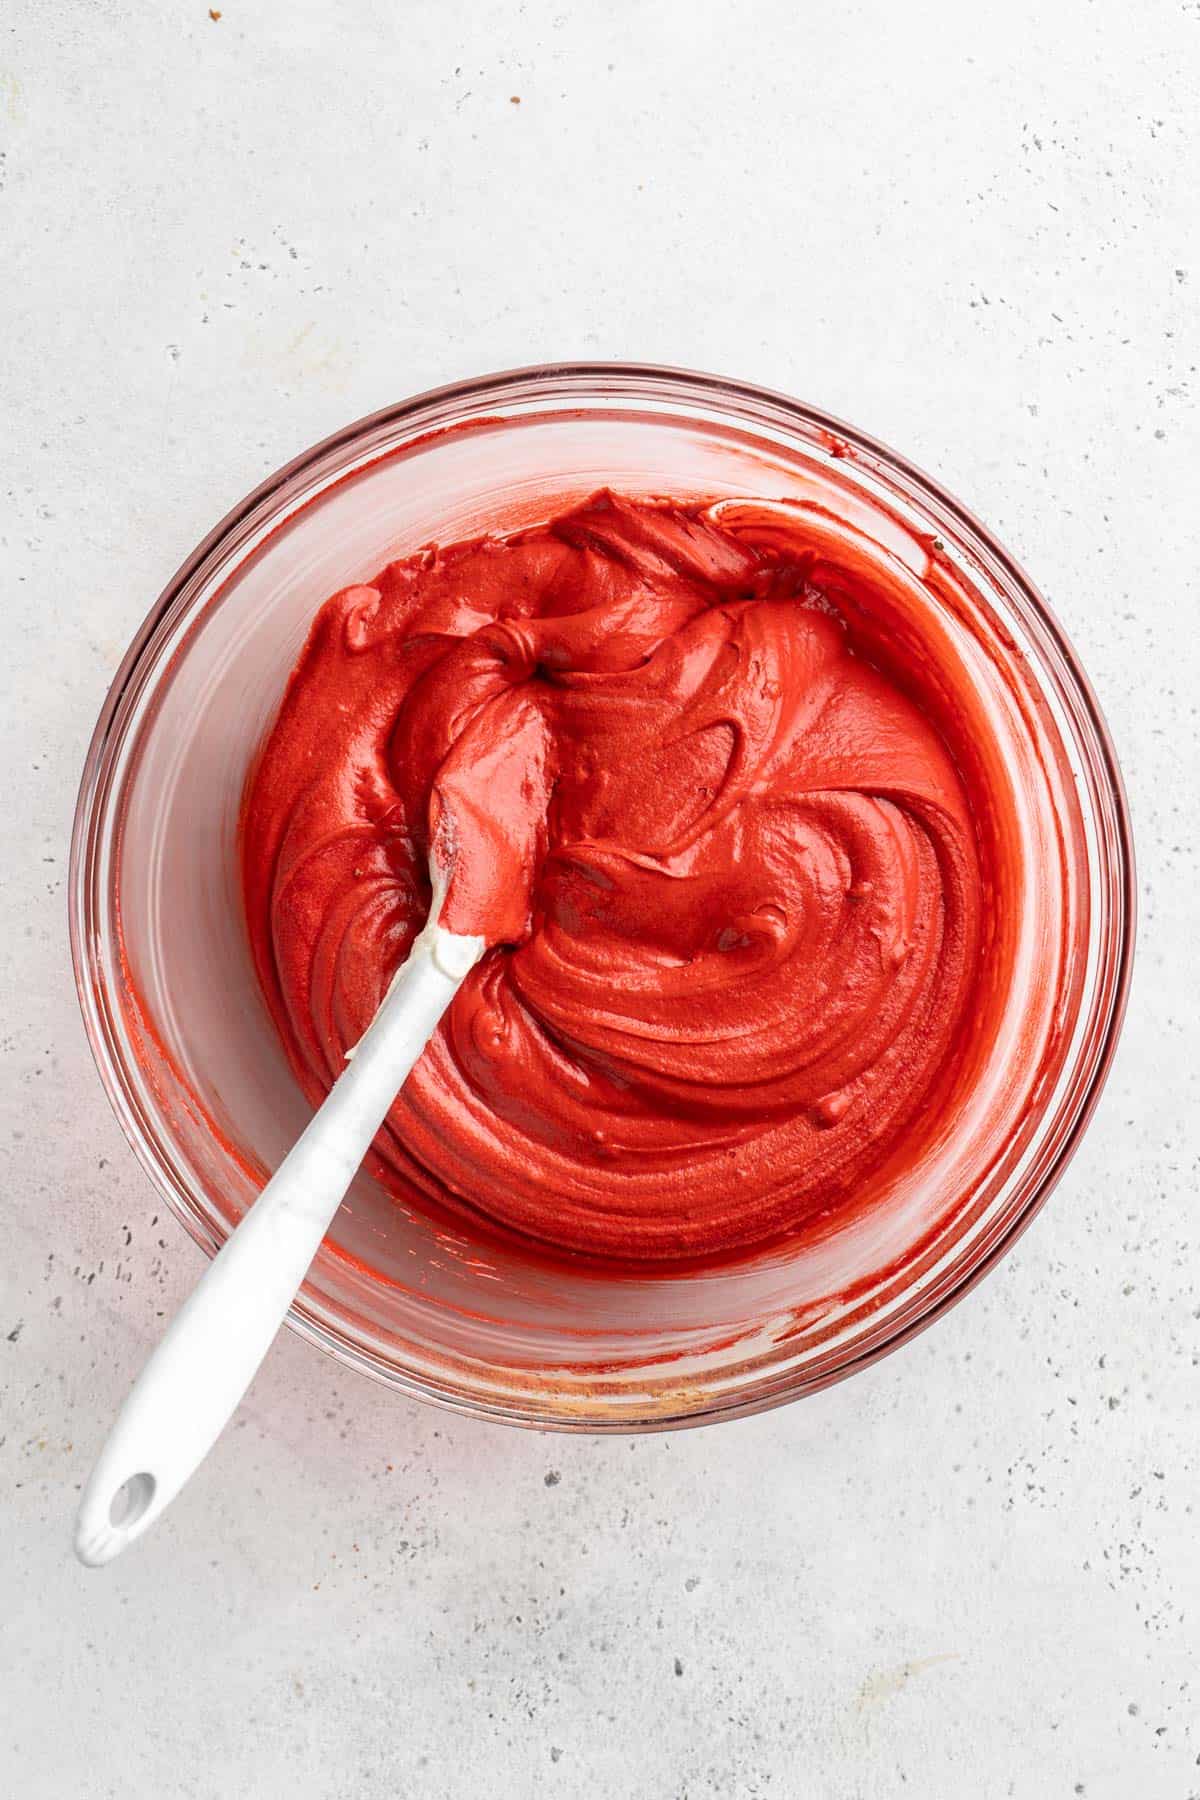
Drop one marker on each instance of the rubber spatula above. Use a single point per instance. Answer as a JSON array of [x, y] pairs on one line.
[[191, 1386]]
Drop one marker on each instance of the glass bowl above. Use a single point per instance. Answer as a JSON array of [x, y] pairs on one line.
[[199, 1079]]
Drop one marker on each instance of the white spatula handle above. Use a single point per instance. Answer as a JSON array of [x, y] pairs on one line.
[[212, 1349]]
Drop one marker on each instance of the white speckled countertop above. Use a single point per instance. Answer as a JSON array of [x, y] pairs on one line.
[[972, 1571]]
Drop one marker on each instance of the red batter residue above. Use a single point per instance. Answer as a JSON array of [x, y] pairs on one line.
[[720, 819]]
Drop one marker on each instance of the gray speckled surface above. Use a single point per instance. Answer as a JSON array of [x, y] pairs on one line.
[[971, 1571]]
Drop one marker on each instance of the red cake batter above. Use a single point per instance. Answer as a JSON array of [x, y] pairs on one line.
[[714, 804]]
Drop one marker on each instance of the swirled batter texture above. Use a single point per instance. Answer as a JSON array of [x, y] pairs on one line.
[[727, 862]]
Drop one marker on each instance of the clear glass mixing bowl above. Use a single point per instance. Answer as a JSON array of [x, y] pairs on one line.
[[197, 1075]]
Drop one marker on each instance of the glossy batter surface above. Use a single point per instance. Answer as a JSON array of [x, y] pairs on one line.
[[728, 863]]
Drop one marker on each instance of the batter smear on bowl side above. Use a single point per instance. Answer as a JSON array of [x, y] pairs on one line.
[[712, 767]]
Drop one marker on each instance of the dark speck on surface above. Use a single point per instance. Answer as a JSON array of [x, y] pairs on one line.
[[552, 1478], [678, 1666]]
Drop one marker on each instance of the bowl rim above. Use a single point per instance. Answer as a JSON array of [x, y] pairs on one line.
[[499, 385]]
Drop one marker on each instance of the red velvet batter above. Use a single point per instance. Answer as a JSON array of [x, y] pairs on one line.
[[727, 861]]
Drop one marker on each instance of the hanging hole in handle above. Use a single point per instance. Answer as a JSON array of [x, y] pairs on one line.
[[130, 1501]]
